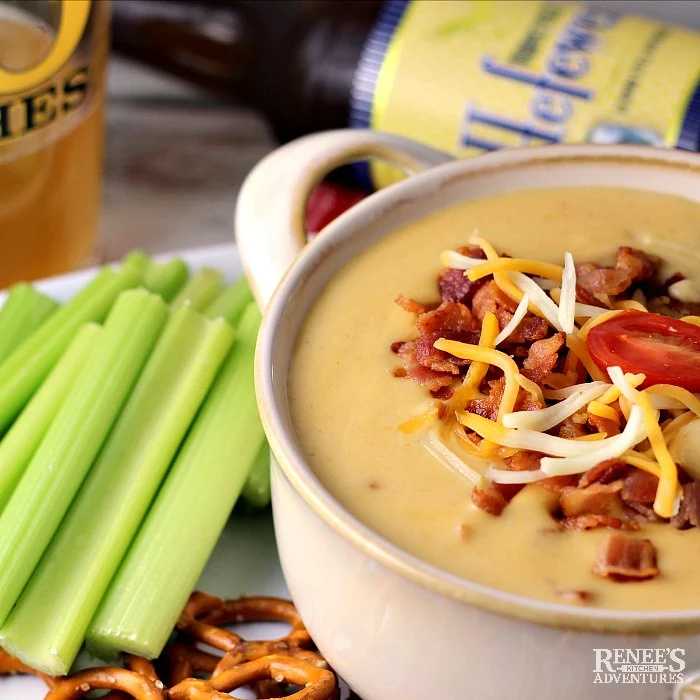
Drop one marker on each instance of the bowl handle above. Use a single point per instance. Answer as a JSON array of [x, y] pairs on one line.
[[272, 202]]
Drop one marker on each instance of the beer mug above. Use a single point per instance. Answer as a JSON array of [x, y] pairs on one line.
[[53, 57]]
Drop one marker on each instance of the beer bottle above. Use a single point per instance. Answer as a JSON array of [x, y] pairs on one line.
[[467, 77]]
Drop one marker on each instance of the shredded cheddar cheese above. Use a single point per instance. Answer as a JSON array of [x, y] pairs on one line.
[[530, 386], [695, 320], [595, 320], [602, 410], [414, 424], [668, 478], [630, 304], [679, 394], [574, 343], [675, 424], [639, 461], [504, 362], [529, 267]]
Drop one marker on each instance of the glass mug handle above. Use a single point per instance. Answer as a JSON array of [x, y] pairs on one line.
[[269, 221], [74, 18]]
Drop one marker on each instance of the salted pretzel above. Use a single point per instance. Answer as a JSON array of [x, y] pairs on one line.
[[318, 683], [138, 665], [204, 615], [11, 666], [187, 661], [133, 684], [252, 650]]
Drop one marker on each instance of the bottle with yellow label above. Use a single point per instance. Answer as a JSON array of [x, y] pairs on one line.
[[467, 76], [52, 67]]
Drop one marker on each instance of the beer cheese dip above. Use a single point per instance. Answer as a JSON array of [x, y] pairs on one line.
[[347, 404]]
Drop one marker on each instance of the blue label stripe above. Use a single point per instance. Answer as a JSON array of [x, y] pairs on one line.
[[689, 138], [367, 72]]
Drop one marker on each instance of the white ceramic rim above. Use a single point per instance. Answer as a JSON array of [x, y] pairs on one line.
[[292, 460]]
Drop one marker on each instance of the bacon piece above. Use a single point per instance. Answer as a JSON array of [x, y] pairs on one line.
[[487, 407], [689, 512], [429, 356], [542, 357], [427, 377], [640, 513], [395, 347], [639, 487], [583, 296], [590, 521], [490, 298], [604, 472], [555, 484], [413, 306], [602, 280], [569, 428], [623, 558], [449, 316], [455, 286], [596, 499], [473, 251], [574, 596], [522, 461], [443, 393], [531, 328], [495, 497], [639, 265], [603, 425]]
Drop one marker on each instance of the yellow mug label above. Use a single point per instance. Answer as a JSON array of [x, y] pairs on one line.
[[475, 76], [74, 18]]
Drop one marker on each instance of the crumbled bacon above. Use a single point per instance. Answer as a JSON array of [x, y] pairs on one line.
[[531, 328], [443, 393], [490, 298], [631, 265], [604, 472], [555, 484], [429, 356], [624, 558], [522, 461], [641, 513], [542, 357], [689, 512], [585, 297], [637, 264], [575, 596], [449, 316], [413, 306], [596, 499], [603, 425], [589, 521], [639, 487], [569, 429], [425, 376], [495, 497], [473, 251], [455, 286], [395, 347]]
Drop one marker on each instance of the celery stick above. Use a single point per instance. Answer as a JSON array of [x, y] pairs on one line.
[[256, 491], [27, 367], [47, 626], [27, 432], [176, 539], [231, 303], [138, 260], [24, 310], [167, 278], [201, 290], [57, 469]]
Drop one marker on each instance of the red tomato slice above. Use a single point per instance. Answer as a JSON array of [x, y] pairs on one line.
[[665, 349]]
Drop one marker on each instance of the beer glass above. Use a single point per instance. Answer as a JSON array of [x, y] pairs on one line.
[[52, 81]]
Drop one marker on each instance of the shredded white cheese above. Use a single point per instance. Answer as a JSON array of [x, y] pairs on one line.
[[518, 316], [508, 476], [547, 418], [443, 454], [599, 451], [567, 301], [538, 298]]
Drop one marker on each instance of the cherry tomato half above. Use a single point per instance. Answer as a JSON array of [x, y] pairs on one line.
[[665, 349]]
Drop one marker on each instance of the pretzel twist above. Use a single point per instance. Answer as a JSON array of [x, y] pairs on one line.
[[187, 661], [318, 683], [200, 605], [138, 665], [12, 666], [253, 650], [133, 684]]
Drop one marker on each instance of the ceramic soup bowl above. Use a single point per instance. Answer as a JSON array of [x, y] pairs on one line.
[[393, 626]]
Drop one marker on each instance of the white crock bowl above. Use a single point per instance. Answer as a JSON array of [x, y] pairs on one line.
[[395, 627]]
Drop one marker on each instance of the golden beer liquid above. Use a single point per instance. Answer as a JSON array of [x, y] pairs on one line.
[[50, 177]]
